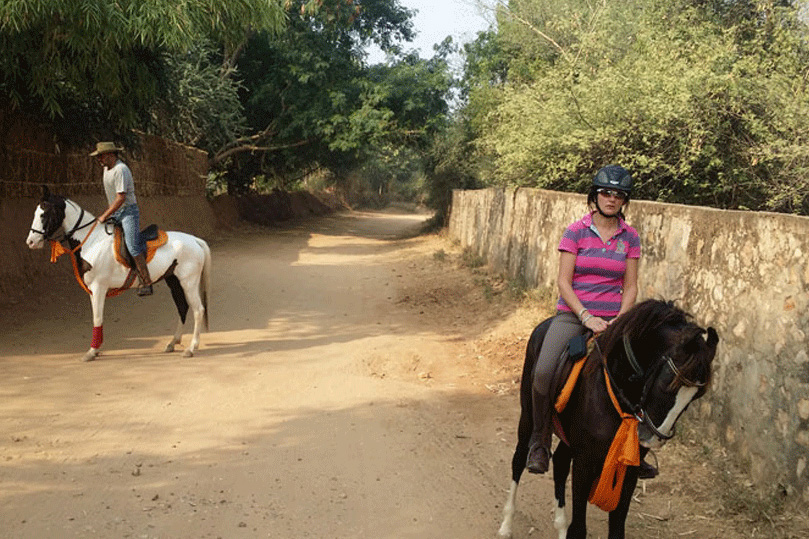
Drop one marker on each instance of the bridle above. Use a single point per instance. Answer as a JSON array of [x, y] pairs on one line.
[[649, 377], [67, 235]]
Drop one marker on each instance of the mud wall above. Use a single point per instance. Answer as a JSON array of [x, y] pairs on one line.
[[744, 273], [169, 183]]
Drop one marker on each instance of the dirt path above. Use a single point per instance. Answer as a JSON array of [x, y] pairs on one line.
[[354, 384]]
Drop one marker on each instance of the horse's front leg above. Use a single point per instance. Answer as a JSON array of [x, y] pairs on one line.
[[561, 471], [99, 294], [617, 524], [509, 509], [580, 486]]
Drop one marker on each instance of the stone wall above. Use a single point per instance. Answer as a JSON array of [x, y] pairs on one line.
[[744, 273]]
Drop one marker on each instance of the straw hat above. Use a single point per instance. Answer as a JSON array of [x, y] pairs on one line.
[[105, 147]]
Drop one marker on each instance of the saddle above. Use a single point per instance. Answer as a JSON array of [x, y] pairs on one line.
[[567, 375], [152, 235]]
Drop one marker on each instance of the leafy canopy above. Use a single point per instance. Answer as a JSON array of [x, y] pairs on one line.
[[312, 103], [705, 102], [95, 62]]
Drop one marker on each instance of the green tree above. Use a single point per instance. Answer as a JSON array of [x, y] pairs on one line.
[[312, 102], [94, 66], [704, 101]]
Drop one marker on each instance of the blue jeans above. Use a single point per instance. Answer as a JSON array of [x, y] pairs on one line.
[[129, 217]]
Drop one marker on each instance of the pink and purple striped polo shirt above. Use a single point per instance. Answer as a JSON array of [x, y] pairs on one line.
[[598, 276]]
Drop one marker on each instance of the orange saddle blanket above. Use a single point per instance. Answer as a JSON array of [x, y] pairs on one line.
[[155, 238]]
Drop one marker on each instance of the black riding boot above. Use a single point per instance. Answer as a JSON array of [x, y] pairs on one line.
[[539, 454], [143, 273]]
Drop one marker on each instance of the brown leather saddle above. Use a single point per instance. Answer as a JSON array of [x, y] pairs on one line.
[[152, 235]]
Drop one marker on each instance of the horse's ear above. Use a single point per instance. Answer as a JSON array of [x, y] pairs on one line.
[[697, 343], [713, 338], [693, 341]]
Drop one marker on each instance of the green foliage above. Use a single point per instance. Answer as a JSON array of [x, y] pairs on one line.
[[311, 102], [450, 164], [202, 108], [705, 102], [96, 65]]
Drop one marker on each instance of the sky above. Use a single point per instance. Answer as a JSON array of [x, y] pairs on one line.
[[437, 19]]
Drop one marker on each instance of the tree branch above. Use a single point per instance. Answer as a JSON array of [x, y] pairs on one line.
[[540, 33], [221, 156]]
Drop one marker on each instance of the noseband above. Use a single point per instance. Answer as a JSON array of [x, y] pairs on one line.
[[648, 378], [67, 235]]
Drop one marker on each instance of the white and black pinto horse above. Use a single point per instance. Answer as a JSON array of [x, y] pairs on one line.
[[184, 261], [654, 361]]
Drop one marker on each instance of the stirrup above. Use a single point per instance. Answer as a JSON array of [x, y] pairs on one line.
[[646, 470], [145, 290]]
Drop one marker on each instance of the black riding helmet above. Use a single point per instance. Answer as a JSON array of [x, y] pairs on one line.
[[610, 177], [614, 177]]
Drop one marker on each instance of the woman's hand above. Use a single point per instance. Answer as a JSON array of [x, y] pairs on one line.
[[596, 324]]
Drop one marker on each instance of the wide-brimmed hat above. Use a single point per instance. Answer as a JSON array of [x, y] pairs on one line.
[[105, 147]]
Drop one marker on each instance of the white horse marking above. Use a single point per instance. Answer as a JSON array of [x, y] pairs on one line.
[[684, 397], [191, 255], [560, 522], [508, 512]]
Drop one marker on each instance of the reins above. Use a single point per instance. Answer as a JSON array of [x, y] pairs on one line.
[[57, 250], [625, 448]]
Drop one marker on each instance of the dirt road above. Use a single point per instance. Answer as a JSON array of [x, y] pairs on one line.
[[355, 383]]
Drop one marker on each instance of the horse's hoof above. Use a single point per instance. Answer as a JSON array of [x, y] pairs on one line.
[[90, 356], [188, 353], [169, 348]]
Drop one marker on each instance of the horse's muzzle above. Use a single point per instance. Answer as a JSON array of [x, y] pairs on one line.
[[35, 241], [650, 439]]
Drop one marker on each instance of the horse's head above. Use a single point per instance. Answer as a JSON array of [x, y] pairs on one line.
[[661, 361], [682, 377], [48, 217]]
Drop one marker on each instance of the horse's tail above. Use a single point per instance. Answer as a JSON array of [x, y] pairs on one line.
[[205, 280]]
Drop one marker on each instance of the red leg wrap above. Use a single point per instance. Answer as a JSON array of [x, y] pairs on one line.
[[98, 336]]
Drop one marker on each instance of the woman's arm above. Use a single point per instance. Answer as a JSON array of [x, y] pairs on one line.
[[630, 285], [567, 264]]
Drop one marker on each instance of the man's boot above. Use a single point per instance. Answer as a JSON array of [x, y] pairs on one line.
[[539, 453], [143, 273]]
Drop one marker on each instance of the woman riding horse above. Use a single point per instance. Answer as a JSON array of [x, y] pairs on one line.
[[641, 375], [598, 281]]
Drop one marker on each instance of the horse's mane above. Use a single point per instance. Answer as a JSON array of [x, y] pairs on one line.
[[654, 317], [643, 319]]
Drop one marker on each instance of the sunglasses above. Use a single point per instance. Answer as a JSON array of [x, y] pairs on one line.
[[612, 193]]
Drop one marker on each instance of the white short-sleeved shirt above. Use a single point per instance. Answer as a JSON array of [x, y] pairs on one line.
[[118, 179]]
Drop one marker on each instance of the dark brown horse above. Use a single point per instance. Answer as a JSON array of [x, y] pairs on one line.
[[656, 361]]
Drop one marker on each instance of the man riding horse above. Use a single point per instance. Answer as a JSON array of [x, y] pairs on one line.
[[123, 207]]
